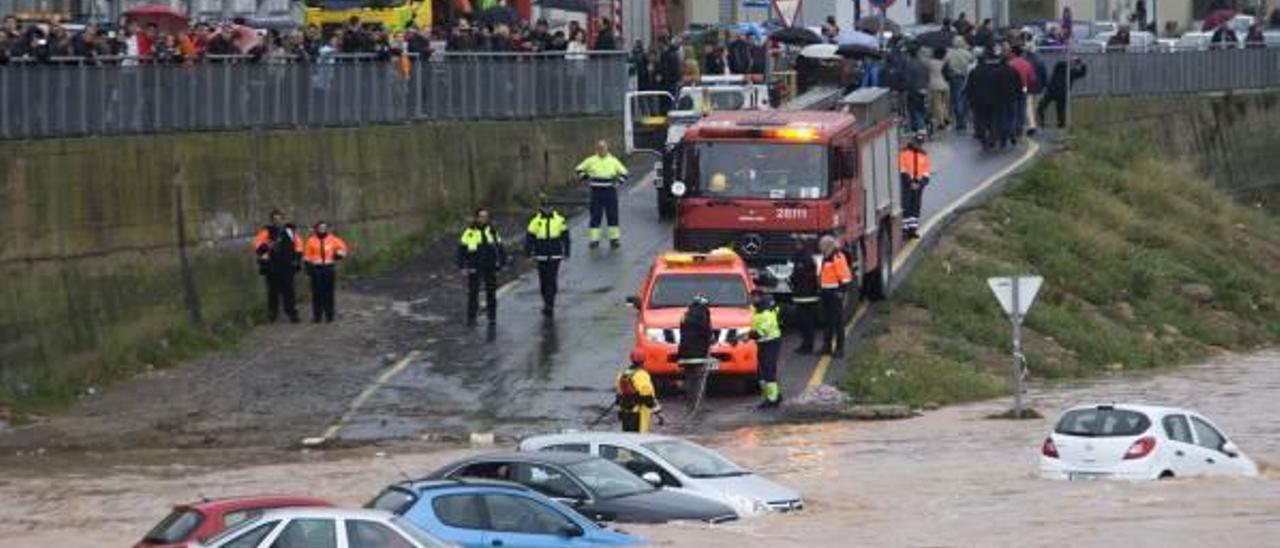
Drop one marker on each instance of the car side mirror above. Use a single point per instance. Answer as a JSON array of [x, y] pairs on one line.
[[653, 478], [633, 301], [1230, 449], [571, 531]]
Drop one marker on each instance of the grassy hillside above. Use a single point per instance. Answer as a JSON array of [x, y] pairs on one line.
[[1145, 266]]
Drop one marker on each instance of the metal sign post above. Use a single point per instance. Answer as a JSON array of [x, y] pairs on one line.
[[1015, 295]]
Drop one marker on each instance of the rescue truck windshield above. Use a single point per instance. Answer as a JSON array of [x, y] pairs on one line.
[[771, 171], [677, 290]]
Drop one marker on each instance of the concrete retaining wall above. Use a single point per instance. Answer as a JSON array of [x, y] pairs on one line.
[[1235, 139], [115, 247]]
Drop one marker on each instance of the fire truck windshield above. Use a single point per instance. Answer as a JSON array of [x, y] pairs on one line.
[[772, 171]]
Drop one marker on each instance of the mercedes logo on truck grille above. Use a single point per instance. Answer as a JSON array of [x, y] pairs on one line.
[[751, 244]]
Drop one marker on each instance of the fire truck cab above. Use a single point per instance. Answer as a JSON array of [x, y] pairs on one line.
[[759, 181]]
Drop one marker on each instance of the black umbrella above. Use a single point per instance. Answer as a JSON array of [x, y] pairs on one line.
[[935, 39], [581, 6], [796, 36], [859, 51]]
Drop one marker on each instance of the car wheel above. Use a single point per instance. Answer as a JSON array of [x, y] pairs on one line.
[[881, 280]]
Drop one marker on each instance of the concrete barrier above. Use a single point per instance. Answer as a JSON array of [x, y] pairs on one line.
[[118, 250]]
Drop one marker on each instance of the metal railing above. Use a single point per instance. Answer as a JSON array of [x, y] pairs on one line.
[[1165, 73], [105, 98]]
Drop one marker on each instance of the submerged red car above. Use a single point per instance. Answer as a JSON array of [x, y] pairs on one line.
[[198, 521]]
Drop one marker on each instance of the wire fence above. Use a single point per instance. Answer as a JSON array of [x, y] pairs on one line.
[[1119, 74], [73, 98]]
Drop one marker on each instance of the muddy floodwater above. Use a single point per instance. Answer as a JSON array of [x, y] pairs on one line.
[[949, 478]]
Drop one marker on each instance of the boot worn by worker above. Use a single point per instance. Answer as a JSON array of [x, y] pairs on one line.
[[615, 244]]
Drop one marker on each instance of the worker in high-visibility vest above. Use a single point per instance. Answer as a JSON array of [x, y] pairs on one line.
[[481, 255], [834, 279], [913, 166], [321, 254], [636, 399], [766, 330], [279, 250], [604, 174], [547, 243]]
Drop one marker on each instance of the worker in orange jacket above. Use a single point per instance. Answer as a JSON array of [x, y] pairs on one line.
[[834, 279], [913, 166], [321, 255], [279, 250]]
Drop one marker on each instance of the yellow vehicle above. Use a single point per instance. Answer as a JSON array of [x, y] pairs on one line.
[[392, 15]]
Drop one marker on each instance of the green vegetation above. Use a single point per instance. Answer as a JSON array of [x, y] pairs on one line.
[[1145, 265]]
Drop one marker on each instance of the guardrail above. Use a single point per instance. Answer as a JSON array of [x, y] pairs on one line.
[[1164, 73], [72, 97]]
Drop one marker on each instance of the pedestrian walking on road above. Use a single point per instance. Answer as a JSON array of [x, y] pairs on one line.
[[604, 173], [766, 330], [1056, 92], [913, 169], [804, 293], [547, 243], [481, 255], [959, 62], [321, 255], [279, 251], [635, 397], [834, 277]]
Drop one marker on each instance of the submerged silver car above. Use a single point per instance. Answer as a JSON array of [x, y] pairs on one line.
[[679, 465]]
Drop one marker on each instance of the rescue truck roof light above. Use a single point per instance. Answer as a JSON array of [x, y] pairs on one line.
[[675, 258], [782, 132]]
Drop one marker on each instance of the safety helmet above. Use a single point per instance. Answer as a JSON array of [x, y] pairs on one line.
[[701, 298], [637, 357]]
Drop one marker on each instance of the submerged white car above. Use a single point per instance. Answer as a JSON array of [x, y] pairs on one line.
[[680, 465], [1139, 442]]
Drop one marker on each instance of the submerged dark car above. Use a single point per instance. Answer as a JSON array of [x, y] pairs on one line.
[[597, 488]]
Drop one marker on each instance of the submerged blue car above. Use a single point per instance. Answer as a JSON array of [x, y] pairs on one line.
[[483, 514]]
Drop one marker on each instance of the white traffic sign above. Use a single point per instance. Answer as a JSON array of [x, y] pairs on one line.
[[1015, 294]]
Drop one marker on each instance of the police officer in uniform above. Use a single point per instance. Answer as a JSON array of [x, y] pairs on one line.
[[321, 254], [767, 332], [804, 293], [913, 166], [279, 251], [637, 402], [547, 243], [604, 174], [834, 278], [481, 255]]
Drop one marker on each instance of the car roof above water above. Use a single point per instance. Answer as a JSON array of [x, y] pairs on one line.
[[594, 437]]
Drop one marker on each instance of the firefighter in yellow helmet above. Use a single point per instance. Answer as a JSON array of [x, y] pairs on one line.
[[637, 402]]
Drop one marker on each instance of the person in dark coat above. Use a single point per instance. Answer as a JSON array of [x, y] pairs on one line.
[[804, 293], [696, 333], [739, 55], [1056, 92], [605, 39], [992, 86], [1012, 101], [278, 247], [670, 64], [1224, 38]]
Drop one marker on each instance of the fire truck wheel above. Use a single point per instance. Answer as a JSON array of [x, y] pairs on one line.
[[881, 280]]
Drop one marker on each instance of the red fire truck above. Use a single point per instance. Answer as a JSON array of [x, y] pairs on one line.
[[757, 180]]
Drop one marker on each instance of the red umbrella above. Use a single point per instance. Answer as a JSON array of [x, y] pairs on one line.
[[165, 17], [1217, 19]]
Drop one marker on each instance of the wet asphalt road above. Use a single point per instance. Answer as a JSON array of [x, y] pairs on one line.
[[532, 375]]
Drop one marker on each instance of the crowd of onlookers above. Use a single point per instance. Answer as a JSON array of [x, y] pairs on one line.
[[133, 42]]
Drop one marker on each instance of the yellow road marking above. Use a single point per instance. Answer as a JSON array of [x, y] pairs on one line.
[[357, 403], [900, 258]]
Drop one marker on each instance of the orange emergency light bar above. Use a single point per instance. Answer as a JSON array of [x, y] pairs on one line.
[[782, 133], [719, 255]]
